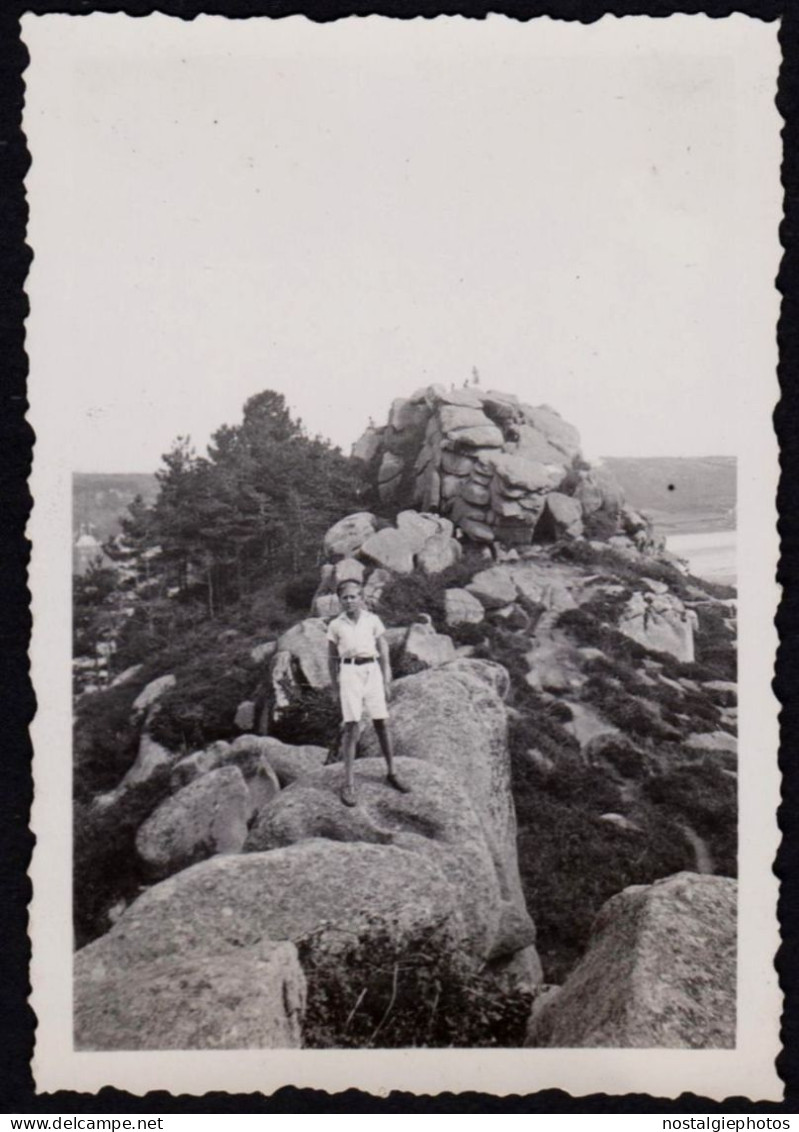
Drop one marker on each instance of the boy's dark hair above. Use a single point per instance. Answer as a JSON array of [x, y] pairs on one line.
[[348, 582]]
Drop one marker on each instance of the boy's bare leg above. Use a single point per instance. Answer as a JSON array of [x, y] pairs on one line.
[[387, 747], [349, 742]]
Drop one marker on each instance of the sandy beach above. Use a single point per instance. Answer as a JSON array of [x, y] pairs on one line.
[[710, 554]]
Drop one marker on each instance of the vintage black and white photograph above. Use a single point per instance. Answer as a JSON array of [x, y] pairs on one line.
[[404, 547]]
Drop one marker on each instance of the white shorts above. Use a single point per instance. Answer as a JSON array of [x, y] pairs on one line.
[[362, 692]]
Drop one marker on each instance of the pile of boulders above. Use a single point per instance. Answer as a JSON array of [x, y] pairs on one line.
[[500, 469]]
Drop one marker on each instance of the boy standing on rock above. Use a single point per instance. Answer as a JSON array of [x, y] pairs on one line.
[[360, 671]]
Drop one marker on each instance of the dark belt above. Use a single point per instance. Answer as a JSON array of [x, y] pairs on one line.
[[358, 659]]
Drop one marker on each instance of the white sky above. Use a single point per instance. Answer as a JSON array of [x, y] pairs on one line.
[[345, 212]]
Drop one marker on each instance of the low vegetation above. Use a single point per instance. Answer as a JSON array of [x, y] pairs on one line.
[[423, 992]]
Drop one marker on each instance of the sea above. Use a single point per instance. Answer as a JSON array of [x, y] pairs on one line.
[[709, 554]]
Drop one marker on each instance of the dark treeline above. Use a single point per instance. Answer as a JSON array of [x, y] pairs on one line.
[[223, 525]]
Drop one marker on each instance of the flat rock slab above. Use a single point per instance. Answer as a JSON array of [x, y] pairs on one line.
[[660, 971]]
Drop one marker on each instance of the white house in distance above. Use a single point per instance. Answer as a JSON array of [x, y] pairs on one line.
[[86, 551]]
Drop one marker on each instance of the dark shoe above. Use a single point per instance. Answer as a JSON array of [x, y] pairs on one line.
[[348, 796], [398, 784]]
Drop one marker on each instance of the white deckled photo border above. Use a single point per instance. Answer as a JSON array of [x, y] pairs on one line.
[[58, 43]]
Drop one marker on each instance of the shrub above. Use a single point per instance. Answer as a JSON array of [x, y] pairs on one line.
[[601, 525], [313, 716], [405, 597], [105, 743], [699, 792], [298, 594], [571, 862], [629, 713], [420, 993], [467, 634], [201, 708]]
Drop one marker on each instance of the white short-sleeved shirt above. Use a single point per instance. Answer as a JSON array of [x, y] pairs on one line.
[[356, 638]]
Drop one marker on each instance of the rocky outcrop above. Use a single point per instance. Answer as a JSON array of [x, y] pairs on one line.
[[221, 914], [494, 587], [489, 462], [660, 971], [251, 1000], [454, 717], [660, 622], [436, 820]]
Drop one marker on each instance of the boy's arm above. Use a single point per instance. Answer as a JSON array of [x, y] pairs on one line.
[[385, 662], [332, 664]]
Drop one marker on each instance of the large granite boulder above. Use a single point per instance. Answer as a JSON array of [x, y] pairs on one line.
[[389, 549], [332, 896], [563, 516], [247, 1000], [436, 820], [306, 644], [417, 528], [206, 817], [454, 717], [660, 971], [348, 535]]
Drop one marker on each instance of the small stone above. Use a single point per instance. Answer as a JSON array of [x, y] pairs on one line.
[[245, 716], [493, 587], [462, 607], [152, 692]]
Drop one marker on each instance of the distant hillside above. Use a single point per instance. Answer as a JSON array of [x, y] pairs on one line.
[[99, 500], [679, 493]]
